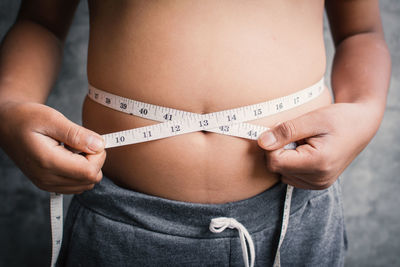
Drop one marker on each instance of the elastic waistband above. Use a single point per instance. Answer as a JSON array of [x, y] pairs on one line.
[[171, 217]]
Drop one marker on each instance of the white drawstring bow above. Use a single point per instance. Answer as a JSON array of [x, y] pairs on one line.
[[218, 225]]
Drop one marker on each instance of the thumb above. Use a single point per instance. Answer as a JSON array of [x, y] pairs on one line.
[[289, 131], [75, 136]]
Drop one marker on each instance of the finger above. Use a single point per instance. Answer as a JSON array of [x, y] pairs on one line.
[[59, 181], [307, 125], [65, 185], [304, 159], [73, 135], [295, 182], [71, 189], [306, 166], [60, 161], [59, 184], [97, 160], [80, 167], [67, 181], [310, 184]]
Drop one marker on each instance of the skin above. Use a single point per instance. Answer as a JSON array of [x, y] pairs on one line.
[[208, 59]]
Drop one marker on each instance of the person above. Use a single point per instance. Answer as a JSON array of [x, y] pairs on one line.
[[155, 201]]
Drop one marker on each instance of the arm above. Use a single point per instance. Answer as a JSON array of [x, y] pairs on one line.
[[30, 132], [331, 137], [361, 67], [30, 55]]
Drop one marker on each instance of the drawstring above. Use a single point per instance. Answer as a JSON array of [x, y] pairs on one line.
[[218, 225]]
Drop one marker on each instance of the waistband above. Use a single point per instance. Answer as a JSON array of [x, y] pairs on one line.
[[178, 218]]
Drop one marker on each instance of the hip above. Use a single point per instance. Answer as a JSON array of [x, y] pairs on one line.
[[112, 226]]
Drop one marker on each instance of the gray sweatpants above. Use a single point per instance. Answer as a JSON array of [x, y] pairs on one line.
[[112, 226]]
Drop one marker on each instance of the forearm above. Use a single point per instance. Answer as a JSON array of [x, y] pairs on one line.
[[30, 57], [361, 73]]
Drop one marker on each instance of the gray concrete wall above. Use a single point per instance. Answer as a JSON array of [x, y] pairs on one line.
[[371, 183]]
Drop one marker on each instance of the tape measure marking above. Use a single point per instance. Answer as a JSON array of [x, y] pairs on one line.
[[176, 122]]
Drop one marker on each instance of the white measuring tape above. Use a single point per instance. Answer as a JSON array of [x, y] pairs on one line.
[[175, 122]]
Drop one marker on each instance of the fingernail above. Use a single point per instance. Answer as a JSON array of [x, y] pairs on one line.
[[268, 139], [95, 143]]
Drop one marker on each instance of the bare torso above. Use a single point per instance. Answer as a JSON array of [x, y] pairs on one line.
[[200, 56]]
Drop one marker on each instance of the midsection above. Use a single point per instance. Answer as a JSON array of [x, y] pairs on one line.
[[200, 56]]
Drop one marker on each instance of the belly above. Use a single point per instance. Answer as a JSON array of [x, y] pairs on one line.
[[200, 58]]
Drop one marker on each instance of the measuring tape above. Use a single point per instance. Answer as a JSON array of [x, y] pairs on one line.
[[176, 122]]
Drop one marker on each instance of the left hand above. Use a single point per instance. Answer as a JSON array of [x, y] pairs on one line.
[[328, 140]]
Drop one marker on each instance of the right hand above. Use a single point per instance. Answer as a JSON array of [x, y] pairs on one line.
[[32, 135]]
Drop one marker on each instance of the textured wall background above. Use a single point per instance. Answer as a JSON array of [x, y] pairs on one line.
[[371, 183]]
